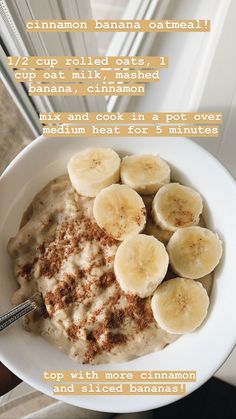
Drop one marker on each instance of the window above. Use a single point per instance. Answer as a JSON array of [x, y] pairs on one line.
[[15, 41], [185, 49]]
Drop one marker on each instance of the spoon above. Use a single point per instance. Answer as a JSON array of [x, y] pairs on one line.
[[33, 303]]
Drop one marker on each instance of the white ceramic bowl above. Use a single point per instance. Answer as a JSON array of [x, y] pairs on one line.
[[204, 350]]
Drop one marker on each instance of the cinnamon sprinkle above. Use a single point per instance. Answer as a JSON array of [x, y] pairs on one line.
[[64, 294], [72, 331], [107, 279], [27, 268], [108, 343], [68, 239]]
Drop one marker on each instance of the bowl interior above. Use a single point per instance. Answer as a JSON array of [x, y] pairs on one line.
[[29, 356]]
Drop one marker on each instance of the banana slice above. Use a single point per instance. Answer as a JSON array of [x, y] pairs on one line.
[[93, 169], [145, 173], [180, 305], [141, 264], [120, 211], [194, 252], [176, 206]]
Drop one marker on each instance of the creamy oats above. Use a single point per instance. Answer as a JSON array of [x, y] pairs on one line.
[[60, 251]]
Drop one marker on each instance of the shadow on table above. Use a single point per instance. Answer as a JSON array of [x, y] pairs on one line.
[[214, 400]]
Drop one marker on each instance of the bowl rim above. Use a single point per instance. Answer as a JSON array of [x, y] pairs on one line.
[[147, 404]]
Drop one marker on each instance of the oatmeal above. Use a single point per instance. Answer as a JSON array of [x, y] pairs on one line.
[[61, 252]]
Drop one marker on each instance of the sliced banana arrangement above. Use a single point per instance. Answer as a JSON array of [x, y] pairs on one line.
[[141, 263], [176, 206], [120, 211], [93, 169], [145, 173], [180, 305], [159, 234], [194, 252]]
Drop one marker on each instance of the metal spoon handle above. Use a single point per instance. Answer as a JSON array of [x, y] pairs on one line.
[[6, 319]]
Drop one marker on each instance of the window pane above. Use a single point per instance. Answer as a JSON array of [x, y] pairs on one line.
[[107, 9]]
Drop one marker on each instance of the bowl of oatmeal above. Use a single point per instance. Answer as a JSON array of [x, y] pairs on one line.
[[89, 315]]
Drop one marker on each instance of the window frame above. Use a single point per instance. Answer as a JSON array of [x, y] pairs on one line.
[[78, 44], [19, 95], [17, 41], [135, 43]]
